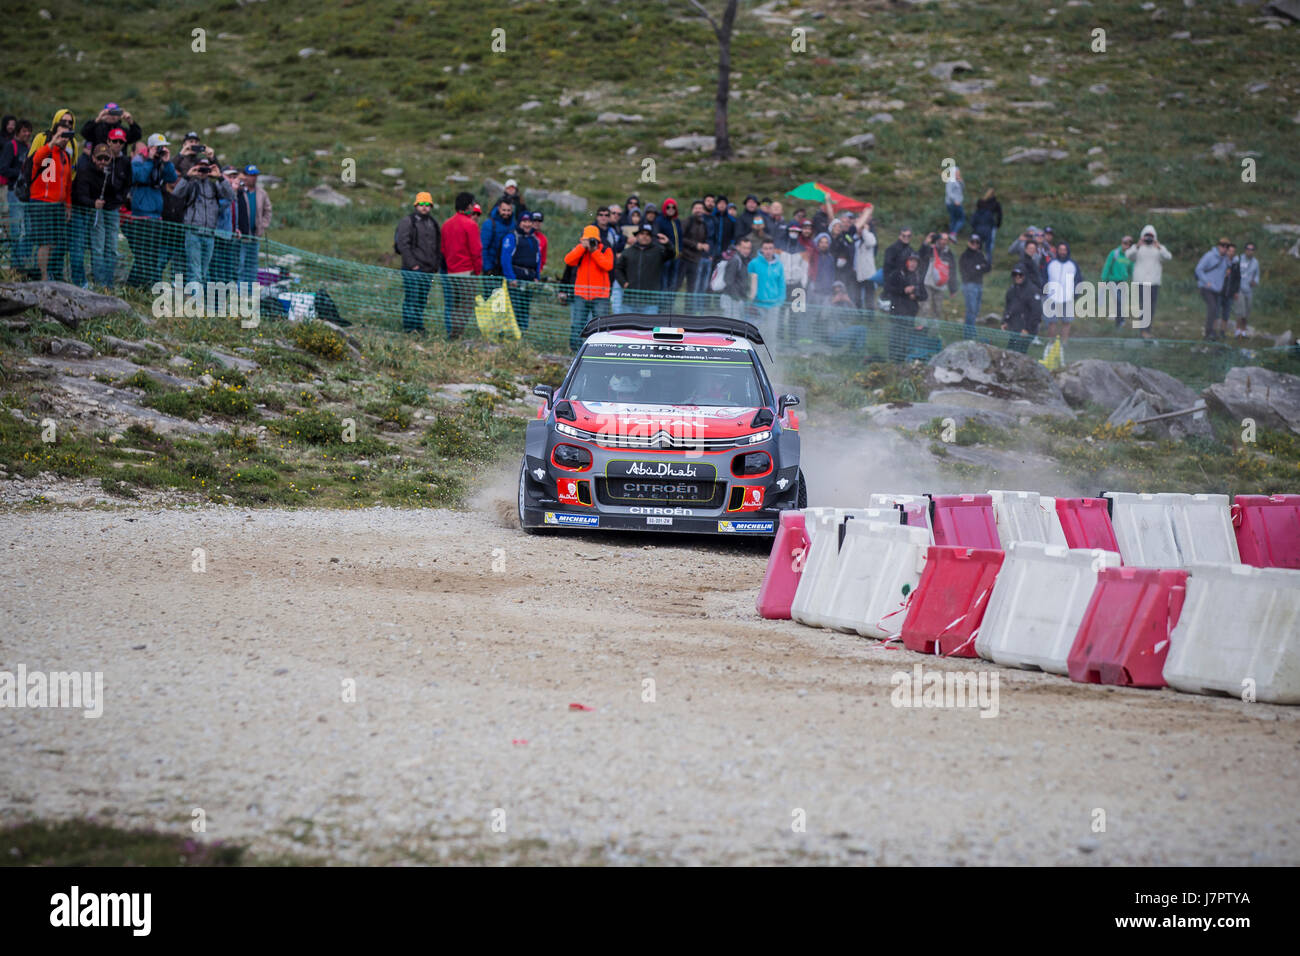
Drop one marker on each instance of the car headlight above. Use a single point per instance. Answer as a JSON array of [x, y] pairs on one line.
[[759, 437], [571, 457], [569, 430], [754, 463]]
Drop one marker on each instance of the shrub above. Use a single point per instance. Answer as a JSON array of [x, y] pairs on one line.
[[319, 339]]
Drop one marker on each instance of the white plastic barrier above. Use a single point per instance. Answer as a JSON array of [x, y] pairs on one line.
[[1203, 528], [1026, 516], [1037, 604], [817, 582], [1239, 634], [1144, 530], [1055, 533], [880, 566], [918, 504]]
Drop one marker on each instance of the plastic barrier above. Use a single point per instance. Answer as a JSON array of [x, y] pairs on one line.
[[1268, 530], [1125, 632], [1144, 530], [915, 508], [1239, 634], [879, 569], [964, 521], [784, 567], [817, 583], [1203, 528], [1055, 533], [950, 600], [1037, 604], [1024, 516], [1085, 523]]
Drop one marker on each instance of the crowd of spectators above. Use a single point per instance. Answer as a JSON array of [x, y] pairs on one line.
[[69, 191]]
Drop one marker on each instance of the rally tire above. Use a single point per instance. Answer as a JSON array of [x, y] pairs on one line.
[[523, 478], [801, 500]]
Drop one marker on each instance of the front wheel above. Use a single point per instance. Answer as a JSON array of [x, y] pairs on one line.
[[801, 500], [523, 479]]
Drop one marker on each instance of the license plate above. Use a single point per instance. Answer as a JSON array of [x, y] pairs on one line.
[[665, 521]]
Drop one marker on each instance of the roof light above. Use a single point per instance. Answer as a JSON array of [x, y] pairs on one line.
[[666, 332]]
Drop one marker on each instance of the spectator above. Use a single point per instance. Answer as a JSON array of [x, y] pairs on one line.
[[418, 240], [512, 195], [12, 156], [111, 117], [639, 269], [710, 202], [149, 174], [821, 271], [592, 260], [201, 190], [542, 241], [738, 285], [477, 213], [225, 245], [746, 217], [986, 221], [1059, 292], [671, 275], [974, 266], [521, 260], [864, 259], [1148, 257], [8, 126], [462, 252], [649, 214], [954, 194], [897, 252], [51, 198], [98, 189], [842, 250], [252, 219], [633, 202], [496, 227], [1119, 269], [1231, 288], [1249, 282], [1017, 247], [63, 120], [1211, 273], [1033, 263], [192, 150], [769, 289], [1022, 312], [794, 262], [839, 331], [722, 229], [631, 227], [906, 291], [940, 271], [696, 261], [776, 219]]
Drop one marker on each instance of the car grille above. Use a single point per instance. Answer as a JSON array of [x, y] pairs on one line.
[[662, 441], [688, 494]]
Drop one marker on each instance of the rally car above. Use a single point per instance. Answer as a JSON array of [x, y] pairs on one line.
[[663, 423]]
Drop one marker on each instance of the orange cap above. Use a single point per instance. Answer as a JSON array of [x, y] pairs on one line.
[[591, 232], [423, 197]]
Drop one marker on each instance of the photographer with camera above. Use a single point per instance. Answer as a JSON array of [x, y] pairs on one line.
[[192, 150], [201, 190], [592, 261], [50, 198], [150, 173], [1148, 257], [111, 117]]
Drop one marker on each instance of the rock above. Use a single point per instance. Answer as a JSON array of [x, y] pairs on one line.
[[561, 198], [619, 118], [17, 325], [693, 142], [1272, 399], [982, 368], [1223, 150], [1180, 35], [227, 129], [1286, 8], [880, 118], [1103, 180], [235, 361], [122, 345], [944, 69], [851, 162], [1095, 151], [1143, 404], [63, 301], [916, 414], [457, 178], [1031, 104], [969, 87], [108, 366], [1018, 407], [71, 348], [328, 196], [1089, 845], [1282, 229], [1033, 155], [309, 51], [393, 171], [529, 105], [862, 139], [1037, 80], [1283, 340]]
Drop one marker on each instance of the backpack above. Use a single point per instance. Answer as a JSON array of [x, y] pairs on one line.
[[395, 249], [23, 188], [718, 281]]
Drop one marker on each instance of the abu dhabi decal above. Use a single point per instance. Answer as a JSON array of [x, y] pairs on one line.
[[747, 527], [580, 521], [619, 468]]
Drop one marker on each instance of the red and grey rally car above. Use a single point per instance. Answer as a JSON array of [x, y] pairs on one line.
[[663, 423]]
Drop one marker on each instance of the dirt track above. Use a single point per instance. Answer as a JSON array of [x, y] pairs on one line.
[[223, 692]]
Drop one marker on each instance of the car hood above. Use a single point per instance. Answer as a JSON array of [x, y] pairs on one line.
[[679, 421]]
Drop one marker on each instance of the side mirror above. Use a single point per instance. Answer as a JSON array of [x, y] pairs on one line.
[[545, 391], [787, 401]]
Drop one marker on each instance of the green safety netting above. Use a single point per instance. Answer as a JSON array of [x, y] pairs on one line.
[[106, 249]]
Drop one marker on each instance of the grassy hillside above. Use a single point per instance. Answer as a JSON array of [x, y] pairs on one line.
[[418, 87]]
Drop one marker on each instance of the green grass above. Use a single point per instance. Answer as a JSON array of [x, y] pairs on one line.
[[87, 843]]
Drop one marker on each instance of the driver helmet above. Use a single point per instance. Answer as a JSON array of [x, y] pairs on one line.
[[622, 385]]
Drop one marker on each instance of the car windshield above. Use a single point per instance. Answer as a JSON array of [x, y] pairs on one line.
[[662, 373]]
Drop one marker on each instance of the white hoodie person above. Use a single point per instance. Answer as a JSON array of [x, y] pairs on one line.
[[1148, 258]]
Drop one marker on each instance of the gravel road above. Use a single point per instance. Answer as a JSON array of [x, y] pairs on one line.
[[468, 642]]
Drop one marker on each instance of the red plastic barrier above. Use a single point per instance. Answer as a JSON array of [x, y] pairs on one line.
[[1268, 530], [964, 521], [914, 514], [784, 567], [949, 601], [1086, 523], [1124, 636]]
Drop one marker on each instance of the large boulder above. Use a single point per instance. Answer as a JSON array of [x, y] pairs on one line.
[[1111, 384], [1272, 399], [1142, 406], [981, 368], [61, 301]]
